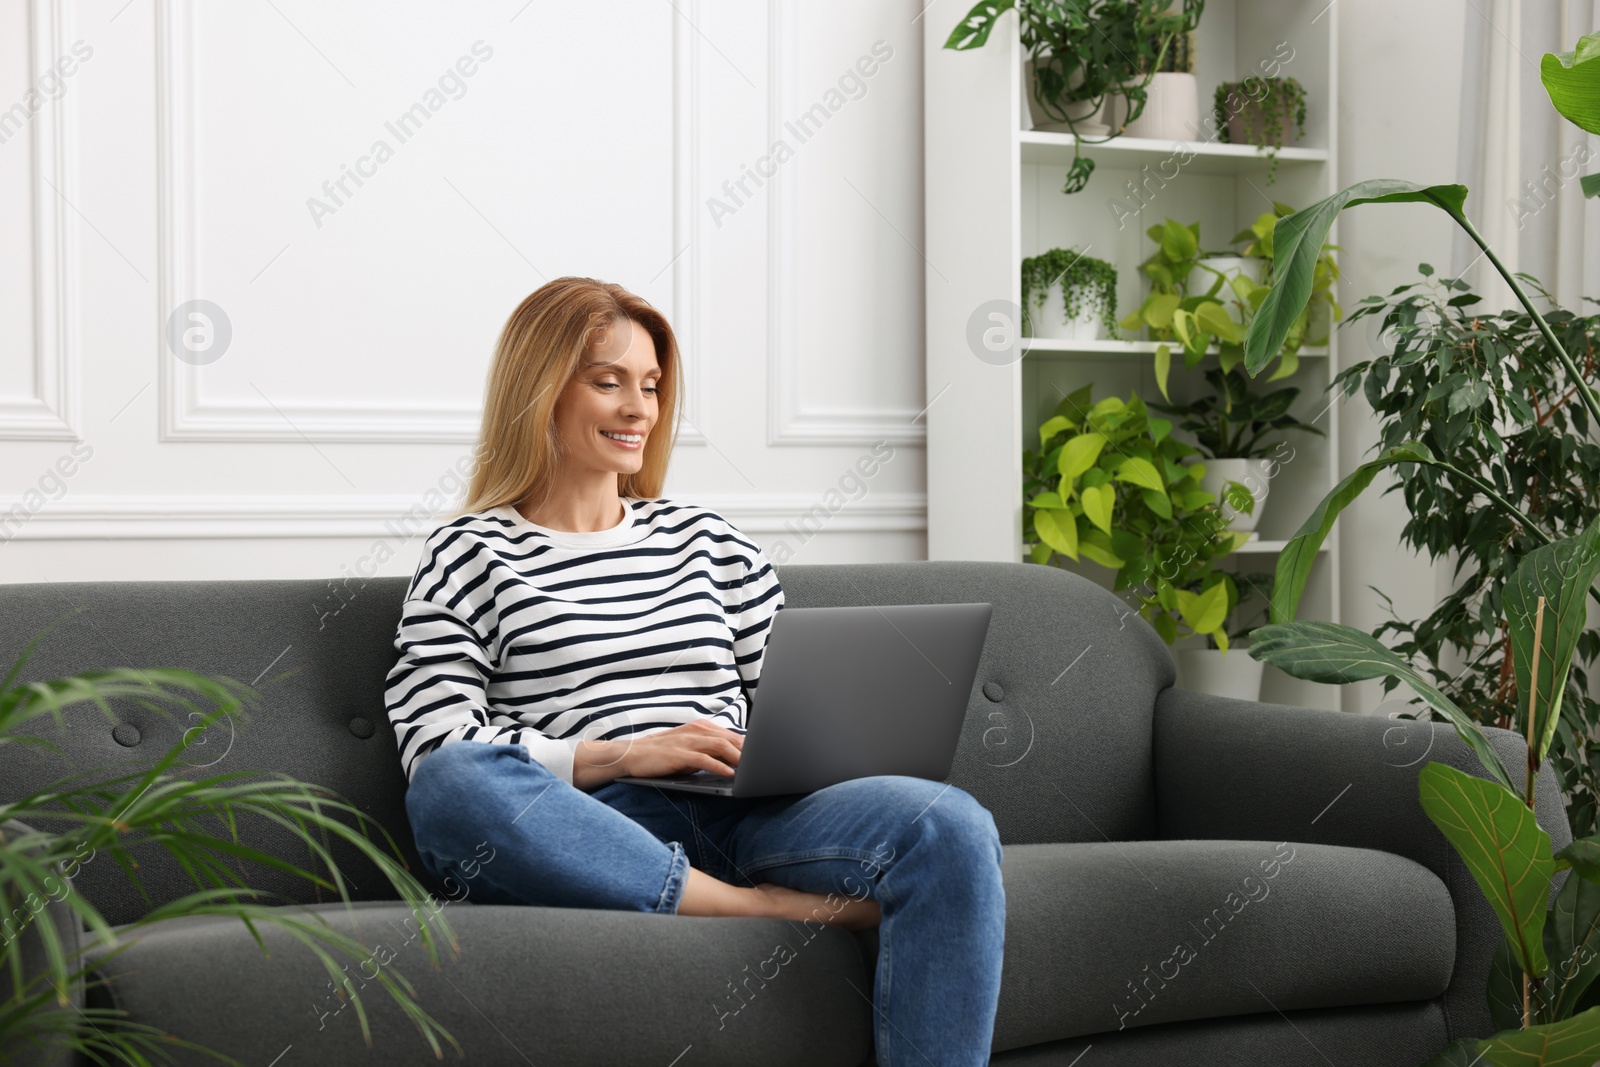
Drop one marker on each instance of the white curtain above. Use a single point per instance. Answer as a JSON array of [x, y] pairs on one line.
[[1521, 160]]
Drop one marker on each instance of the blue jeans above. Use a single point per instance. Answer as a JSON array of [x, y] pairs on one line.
[[927, 852]]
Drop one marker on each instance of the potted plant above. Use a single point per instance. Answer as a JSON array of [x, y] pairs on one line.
[[1172, 99], [1544, 1002], [1213, 669], [1230, 424], [1107, 484], [1433, 367], [1069, 295], [205, 822], [1258, 111], [1315, 320], [1172, 311], [1083, 57]]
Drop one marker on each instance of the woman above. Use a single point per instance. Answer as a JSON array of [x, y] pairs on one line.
[[569, 628]]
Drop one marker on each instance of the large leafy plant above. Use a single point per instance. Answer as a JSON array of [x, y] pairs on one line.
[[1233, 421], [196, 819], [1490, 823], [1478, 387], [1089, 51], [1107, 484]]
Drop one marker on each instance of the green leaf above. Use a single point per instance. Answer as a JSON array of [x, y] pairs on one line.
[[1059, 530], [1335, 654], [1214, 319], [1573, 81], [1098, 505], [1053, 426], [973, 30], [1163, 368], [1575, 959], [1469, 396], [1097, 546], [1140, 471], [1157, 502], [1204, 612], [1294, 562], [1080, 453], [1590, 184], [1159, 307], [1583, 856], [1159, 428], [1297, 244], [1501, 842], [1178, 241], [1561, 573], [1573, 1042]]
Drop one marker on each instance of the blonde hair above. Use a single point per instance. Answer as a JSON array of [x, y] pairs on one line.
[[545, 340]]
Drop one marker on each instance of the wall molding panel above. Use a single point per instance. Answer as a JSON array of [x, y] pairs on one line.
[[53, 411], [789, 421], [137, 517], [188, 415]]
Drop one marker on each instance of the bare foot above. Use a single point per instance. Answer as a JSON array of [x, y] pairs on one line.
[[854, 914]]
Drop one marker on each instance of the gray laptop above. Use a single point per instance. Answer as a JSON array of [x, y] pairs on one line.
[[847, 692]]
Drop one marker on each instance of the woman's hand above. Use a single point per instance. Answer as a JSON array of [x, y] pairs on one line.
[[700, 745]]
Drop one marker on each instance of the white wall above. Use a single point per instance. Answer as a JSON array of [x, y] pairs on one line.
[[176, 162], [1399, 85]]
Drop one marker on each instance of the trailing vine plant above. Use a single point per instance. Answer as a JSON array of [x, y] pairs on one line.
[[1089, 51], [1275, 99], [1086, 282]]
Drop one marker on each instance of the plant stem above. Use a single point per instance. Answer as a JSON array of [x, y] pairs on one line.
[[1590, 401], [1533, 768], [1533, 695]]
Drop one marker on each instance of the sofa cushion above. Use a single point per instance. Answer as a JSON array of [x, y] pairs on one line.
[[542, 985], [1102, 937]]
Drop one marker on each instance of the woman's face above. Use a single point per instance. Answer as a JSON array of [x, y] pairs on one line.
[[613, 391]]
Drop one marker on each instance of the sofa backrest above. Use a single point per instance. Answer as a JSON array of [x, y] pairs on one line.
[[1057, 739]]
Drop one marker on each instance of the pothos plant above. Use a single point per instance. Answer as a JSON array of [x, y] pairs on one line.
[[1264, 107], [1107, 485], [1086, 282], [1086, 52], [1553, 1017]]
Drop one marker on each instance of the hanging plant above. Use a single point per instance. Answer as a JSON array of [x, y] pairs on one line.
[[1262, 107], [1086, 283], [1085, 53]]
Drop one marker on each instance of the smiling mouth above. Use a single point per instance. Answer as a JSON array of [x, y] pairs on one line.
[[633, 441]]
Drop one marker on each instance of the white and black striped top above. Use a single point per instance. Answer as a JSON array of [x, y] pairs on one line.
[[516, 634]]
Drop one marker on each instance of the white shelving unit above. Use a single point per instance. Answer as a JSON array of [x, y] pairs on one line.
[[993, 198]]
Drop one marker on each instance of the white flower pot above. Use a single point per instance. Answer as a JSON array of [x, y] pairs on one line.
[[1253, 474], [1225, 674], [1050, 320], [1091, 119], [1171, 108], [1200, 278]]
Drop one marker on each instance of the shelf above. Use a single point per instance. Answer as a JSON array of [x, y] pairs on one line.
[[1260, 547], [1132, 153], [1056, 346], [1257, 548]]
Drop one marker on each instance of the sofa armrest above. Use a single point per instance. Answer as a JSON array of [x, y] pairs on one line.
[[1242, 770], [20, 934]]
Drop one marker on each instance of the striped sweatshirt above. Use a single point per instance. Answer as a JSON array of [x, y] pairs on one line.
[[516, 634]]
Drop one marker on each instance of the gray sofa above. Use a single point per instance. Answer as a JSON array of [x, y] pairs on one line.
[[1189, 879]]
